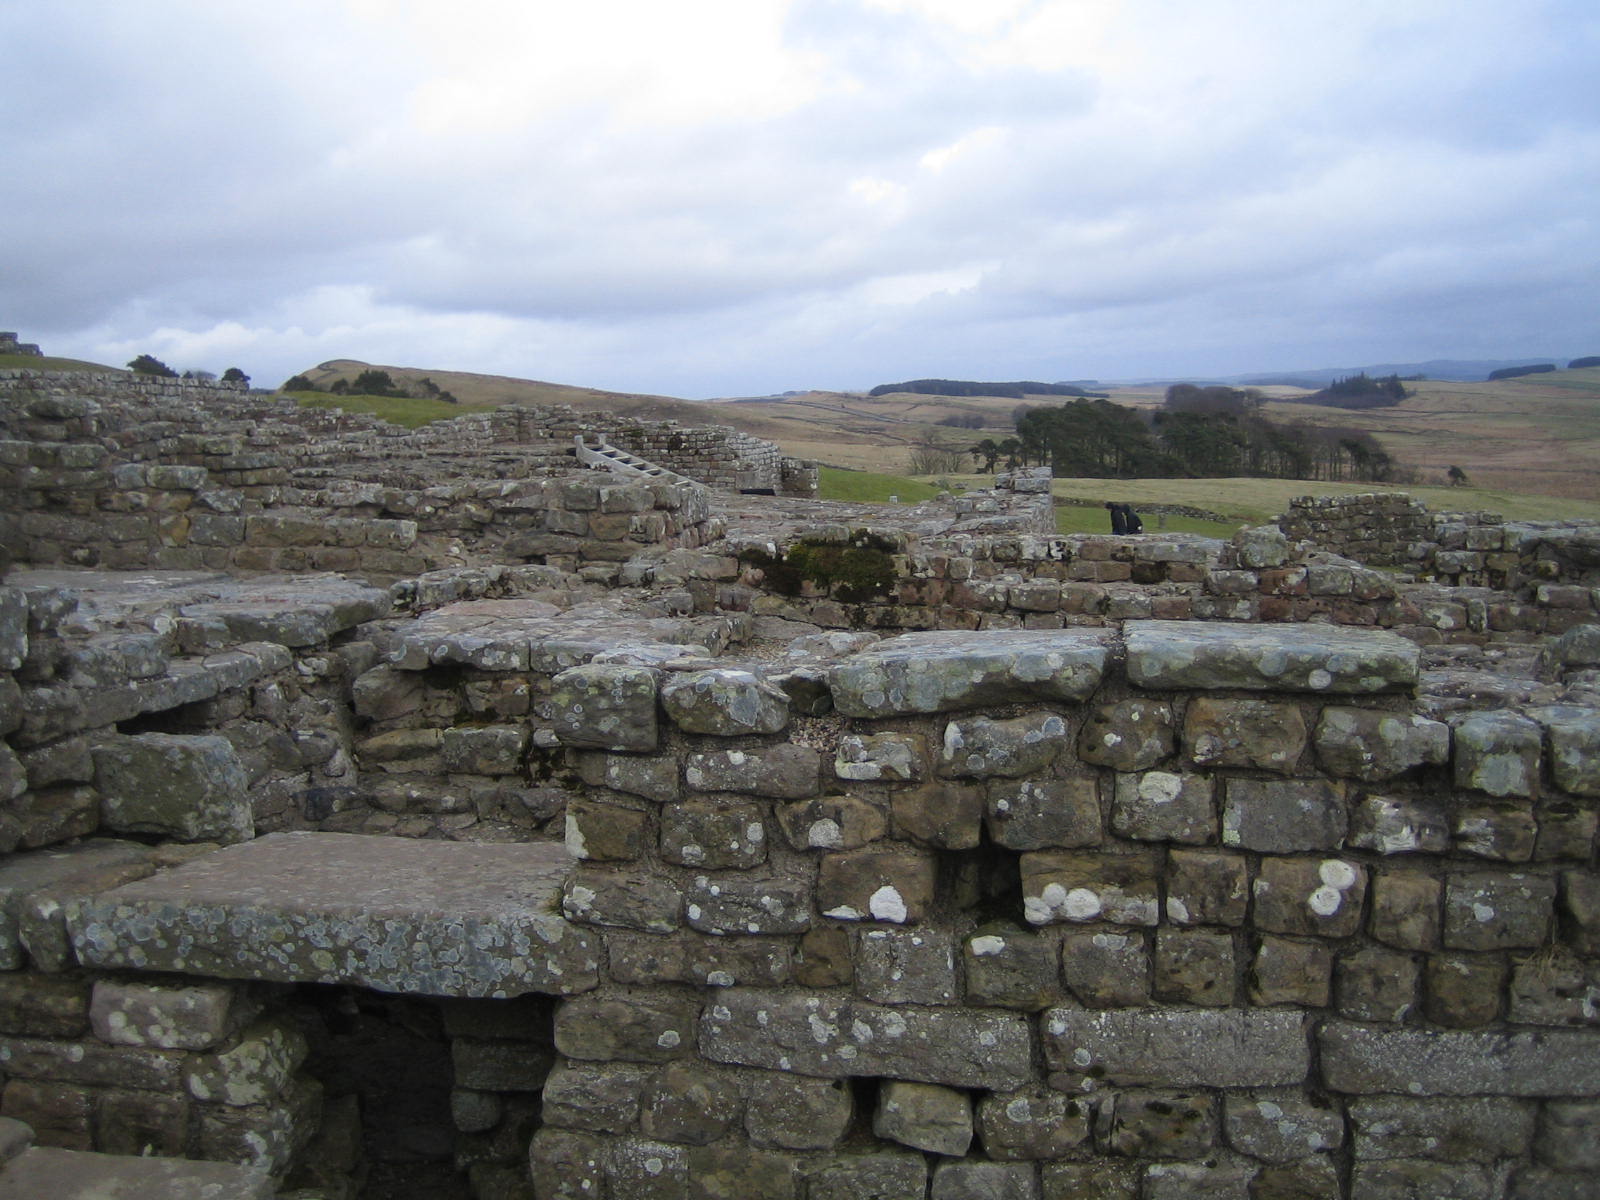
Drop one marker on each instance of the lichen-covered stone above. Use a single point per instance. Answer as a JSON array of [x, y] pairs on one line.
[[924, 1116], [1010, 968], [1310, 897], [748, 905], [1194, 966], [1497, 910], [981, 748], [564, 1165], [880, 757], [940, 813], [1281, 1126], [627, 900], [1159, 806], [826, 1036], [1474, 1129], [890, 884], [905, 966], [1283, 816], [1426, 1062], [1032, 1123], [1129, 735], [1036, 814], [831, 823], [973, 1180], [192, 788], [1262, 734], [483, 749], [944, 671], [707, 833], [1096, 1179], [603, 1097], [1372, 745], [255, 1070], [1206, 887], [653, 778], [689, 1104], [1161, 1123], [725, 702], [1066, 886], [1574, 737], [1105, 969], [1287, 658], [195, 1016], [1498, 753], [786, 772], [1402, 1178], [640, 1027], [797, 1112], [604, 707], [1399, 825], [875, 1176], [1213, 1048]]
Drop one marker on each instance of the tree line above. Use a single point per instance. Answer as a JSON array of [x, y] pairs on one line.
[[373, 382], [963, 387]]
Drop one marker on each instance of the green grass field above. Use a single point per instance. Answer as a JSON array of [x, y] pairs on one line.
[[868, 487], [33, 362]]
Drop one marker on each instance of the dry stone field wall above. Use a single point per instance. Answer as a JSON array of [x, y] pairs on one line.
[[614, 840]]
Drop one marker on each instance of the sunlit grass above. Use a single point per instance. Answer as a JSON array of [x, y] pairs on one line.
[[868, 487], [34, 362]]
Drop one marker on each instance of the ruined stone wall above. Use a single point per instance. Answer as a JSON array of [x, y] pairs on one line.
[[10, 345]]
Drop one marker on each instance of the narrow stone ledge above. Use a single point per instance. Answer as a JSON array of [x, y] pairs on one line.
[[1282, 658], [830, 1037], [78, 1175], [940, 672], [1229, 1048], [417, 917], [1423, 1062]]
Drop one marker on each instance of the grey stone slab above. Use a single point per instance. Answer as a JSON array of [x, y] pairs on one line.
[[1427, 1062], [1280, 658], [397, 915], [1212, 1048], [939, 672], [21, 875], [77, 1175]]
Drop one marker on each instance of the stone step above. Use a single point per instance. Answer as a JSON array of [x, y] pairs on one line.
[[392, 914], [43, 1171]]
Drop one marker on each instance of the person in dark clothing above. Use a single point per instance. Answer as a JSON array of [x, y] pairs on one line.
[[1119, 523], [1130, 520]]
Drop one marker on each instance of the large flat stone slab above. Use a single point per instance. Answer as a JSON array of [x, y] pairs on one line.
[[393, 914], [526, 634], [1432, 1062], [44, 1171], [1278, 658], [939, 672]]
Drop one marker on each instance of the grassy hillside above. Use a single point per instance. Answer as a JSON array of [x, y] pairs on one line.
[[35, 362]]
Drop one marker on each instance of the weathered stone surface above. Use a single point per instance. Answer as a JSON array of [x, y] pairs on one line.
[[889, 884], [1574, 738], [1580, 907], [428, 918], [183, 1017], [940, 672], [1399, 825], [1106, 970], [90, 1063], [1206, 887], [1422, 1062], [254, 1070], [905, 966], [1160, 1124], [1083, 886], [1215, 1048], [603, 1097], [724, 1172], [1405, 909], [45, 1005], [924, 1116], [1130, 735], [725, 702], [1291, 971], [564, 1165], [1283, 816], [1031, 1123], [49, 1171], [47, 871], [869, 1177], [1035, 814], [748, 905], [689, 1104], [1310, 897], [880, 757], [797, 1112], [984, 1181], [1100, 1179], [639, 1027], [1463, 990], [190, 788], [1569, 1135], [494, 1065], [1009, 968], [1505, 831], [1497, 910], [1371, 745], [484, 749], [829, 1037], [1402, 1178], [1263, 734], [1498, 753], [1477, 1129], [1543, 1183], [1374, 984], [653, 778], [831, 823], [981, 748], [604, 707], [640, 900], [940, 813], [1194, 966], [1215, 1177], [1285, 658], [780, 772], [1281, 1126], [597, 831], [708, 833], [1159, 806]]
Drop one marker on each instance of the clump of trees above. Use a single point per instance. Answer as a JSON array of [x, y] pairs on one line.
[[373, 382], [1514, 372], [1592, 360], [966, 387], [1359, 391], [147, 365]]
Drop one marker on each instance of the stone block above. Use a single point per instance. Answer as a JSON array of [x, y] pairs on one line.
[[740, 1173], [493, 1065], [1224, 656], [1098, 1179], [601, 832], [1554, 989], [1206, 887], [875, 1176], [92, 1063], [748, 905], [881, 757], [1216, 1177], [627, 900], [941, 814], [645, 1028], [1542, 1183], [1580, 910], [1424, 1062], [1405, 909], [191, 788], [1399, 825], [1129, 735], [1194, 966], [49, 1006], [1160, 1123], [983, 748], [1498, 753], [786, 772], [653, 778], [1304, 1179], [689, 1104], [831, 1037], [475, 1112], [1080, 886], [888, 884], [1214, 1048], [1497, 910], [1284, 816], [196, 1016], [141, 1123], [1106, 970], [1568, 1136], [604, 707], [1159, 806], [984, 1181], [1573, 735], [564, 1165], [1567, 829], [725, 702], [796, 1112], [483, 749], [1009, 968], [1281, 1126], [831, 823], [602, 1097], [254, 1070], [1033, 1123], [58, 1113], [1372, 745], [1463, 990], [1310, 897], [1036, 814], [1478, 1129], [905, 966], [1261, 734], [924, 1116], [648, 1169], [1374, 984], [713, 834], [1289, 971], [945, 671]]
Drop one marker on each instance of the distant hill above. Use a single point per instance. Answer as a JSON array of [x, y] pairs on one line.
[[1454, 370]]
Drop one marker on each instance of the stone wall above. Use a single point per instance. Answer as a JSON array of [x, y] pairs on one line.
[[10, 345]]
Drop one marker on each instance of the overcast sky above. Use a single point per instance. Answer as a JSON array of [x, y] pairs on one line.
[[719, 197]]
